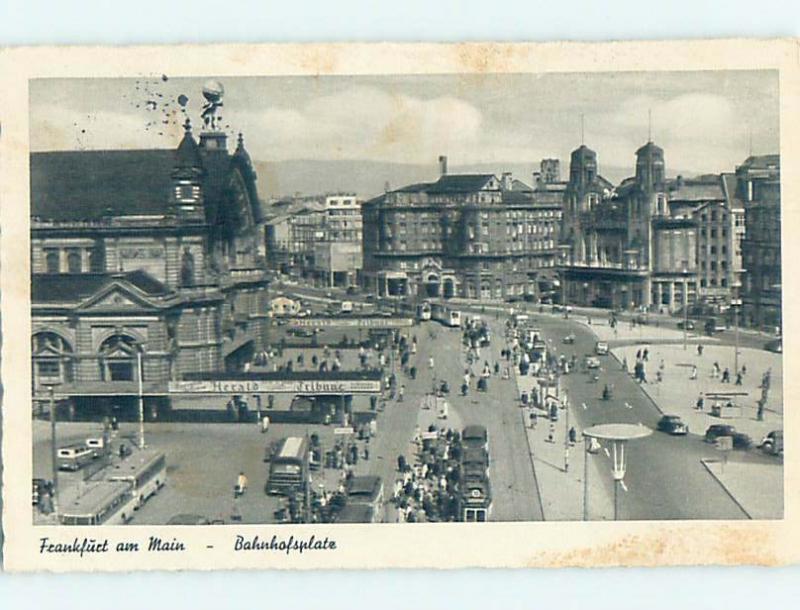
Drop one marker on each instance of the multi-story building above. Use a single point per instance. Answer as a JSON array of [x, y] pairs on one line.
[[338, 253], [292, 229], [473, 236], [758, 186], [651, 242], [145, 266]]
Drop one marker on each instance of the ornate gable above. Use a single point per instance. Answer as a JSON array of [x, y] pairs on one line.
[[119, 296]]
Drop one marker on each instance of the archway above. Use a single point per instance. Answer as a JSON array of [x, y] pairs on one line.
[[52, 358], [117, 358], [432, 286]]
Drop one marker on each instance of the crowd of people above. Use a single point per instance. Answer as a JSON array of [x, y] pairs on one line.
[[428, 489]]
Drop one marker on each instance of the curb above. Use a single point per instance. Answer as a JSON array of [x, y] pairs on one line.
[[533, 464], [705, 463]]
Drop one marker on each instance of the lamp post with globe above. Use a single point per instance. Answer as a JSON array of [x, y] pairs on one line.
[[618, 435]]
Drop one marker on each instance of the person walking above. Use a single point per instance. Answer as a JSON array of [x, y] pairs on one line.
[[739, 378], [693, 376], [431, 363], [726, 376], [241, 485], [700, 402], [699, 349], [400, 393]]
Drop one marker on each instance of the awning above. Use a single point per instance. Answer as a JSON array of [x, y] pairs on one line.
[[235, 344]]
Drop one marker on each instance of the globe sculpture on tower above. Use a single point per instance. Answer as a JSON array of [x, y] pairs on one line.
[[212, 92]]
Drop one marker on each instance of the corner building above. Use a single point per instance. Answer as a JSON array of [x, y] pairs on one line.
[[473, 236], [649, 243]]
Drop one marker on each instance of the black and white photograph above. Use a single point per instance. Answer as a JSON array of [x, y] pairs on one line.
[[406, 299], [345, 306]]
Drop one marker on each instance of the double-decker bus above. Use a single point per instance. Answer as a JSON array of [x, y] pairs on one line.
[[424, 311], [145, 472], [98, 503], [288, 468], [446, 316]]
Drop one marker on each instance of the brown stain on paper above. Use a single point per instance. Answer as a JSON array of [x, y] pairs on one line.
[[485, 58], [714, 544]]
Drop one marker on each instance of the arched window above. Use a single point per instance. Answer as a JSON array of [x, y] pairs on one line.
[[118, 358], [52, 359], [73, 261], [51, 258]]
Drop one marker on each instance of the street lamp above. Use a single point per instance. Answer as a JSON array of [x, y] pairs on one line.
[[736, 303], [685, 307], [53, 442], [618, 434], [139, 355]]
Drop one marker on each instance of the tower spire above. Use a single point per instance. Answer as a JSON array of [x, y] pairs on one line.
[[582, 130], [649, 124]]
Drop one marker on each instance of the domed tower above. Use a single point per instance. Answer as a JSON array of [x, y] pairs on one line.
[[582, 167], [186, 201], [650, 167]]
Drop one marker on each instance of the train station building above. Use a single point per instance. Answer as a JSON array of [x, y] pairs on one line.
[[145, 267]]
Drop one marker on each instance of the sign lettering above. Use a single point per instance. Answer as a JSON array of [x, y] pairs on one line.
[[260, 386]]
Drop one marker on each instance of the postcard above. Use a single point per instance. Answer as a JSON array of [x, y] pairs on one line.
[[398, 305]]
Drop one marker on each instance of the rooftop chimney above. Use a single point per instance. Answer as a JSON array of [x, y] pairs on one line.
[[442, 165], [508, 181]]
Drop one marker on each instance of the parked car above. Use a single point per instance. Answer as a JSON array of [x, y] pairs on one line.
[[592, 362], [601, 349], [776, 346], [689, 324], [569, 339], [740, 440], [772, 443], [672, 424]]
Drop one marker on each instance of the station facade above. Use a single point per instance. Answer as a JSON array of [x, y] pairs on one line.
[[145, 267]]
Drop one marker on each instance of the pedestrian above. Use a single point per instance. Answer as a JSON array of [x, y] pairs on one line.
[[693, 376], [739, 378], [264, 424], [241, 485], [645, 354], [638, 355], [431, 363], [625, 363], [726, 376], [661, 365], [700, 402], [744, 369], [400, 393], [573, 435], [715, 371], [699, 349]]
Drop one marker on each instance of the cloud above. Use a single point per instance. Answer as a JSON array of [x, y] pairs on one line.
[[364, 123]]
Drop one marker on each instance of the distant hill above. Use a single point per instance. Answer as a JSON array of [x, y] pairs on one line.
[[367, 178]]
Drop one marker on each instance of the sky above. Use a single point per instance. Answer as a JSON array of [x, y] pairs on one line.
[[706, 121]]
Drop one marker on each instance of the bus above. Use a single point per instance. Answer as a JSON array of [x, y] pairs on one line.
[[74, 457], [98, 503], [288, 468], [445, 315], [145, 472], [424, 312]]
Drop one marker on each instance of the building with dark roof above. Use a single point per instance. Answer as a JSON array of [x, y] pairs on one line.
[[472, 236], [144, 252], [758, 187], [650, 242]]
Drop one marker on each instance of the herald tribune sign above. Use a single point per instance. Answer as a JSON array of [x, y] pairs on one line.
[[276, 386], [351, 322]]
